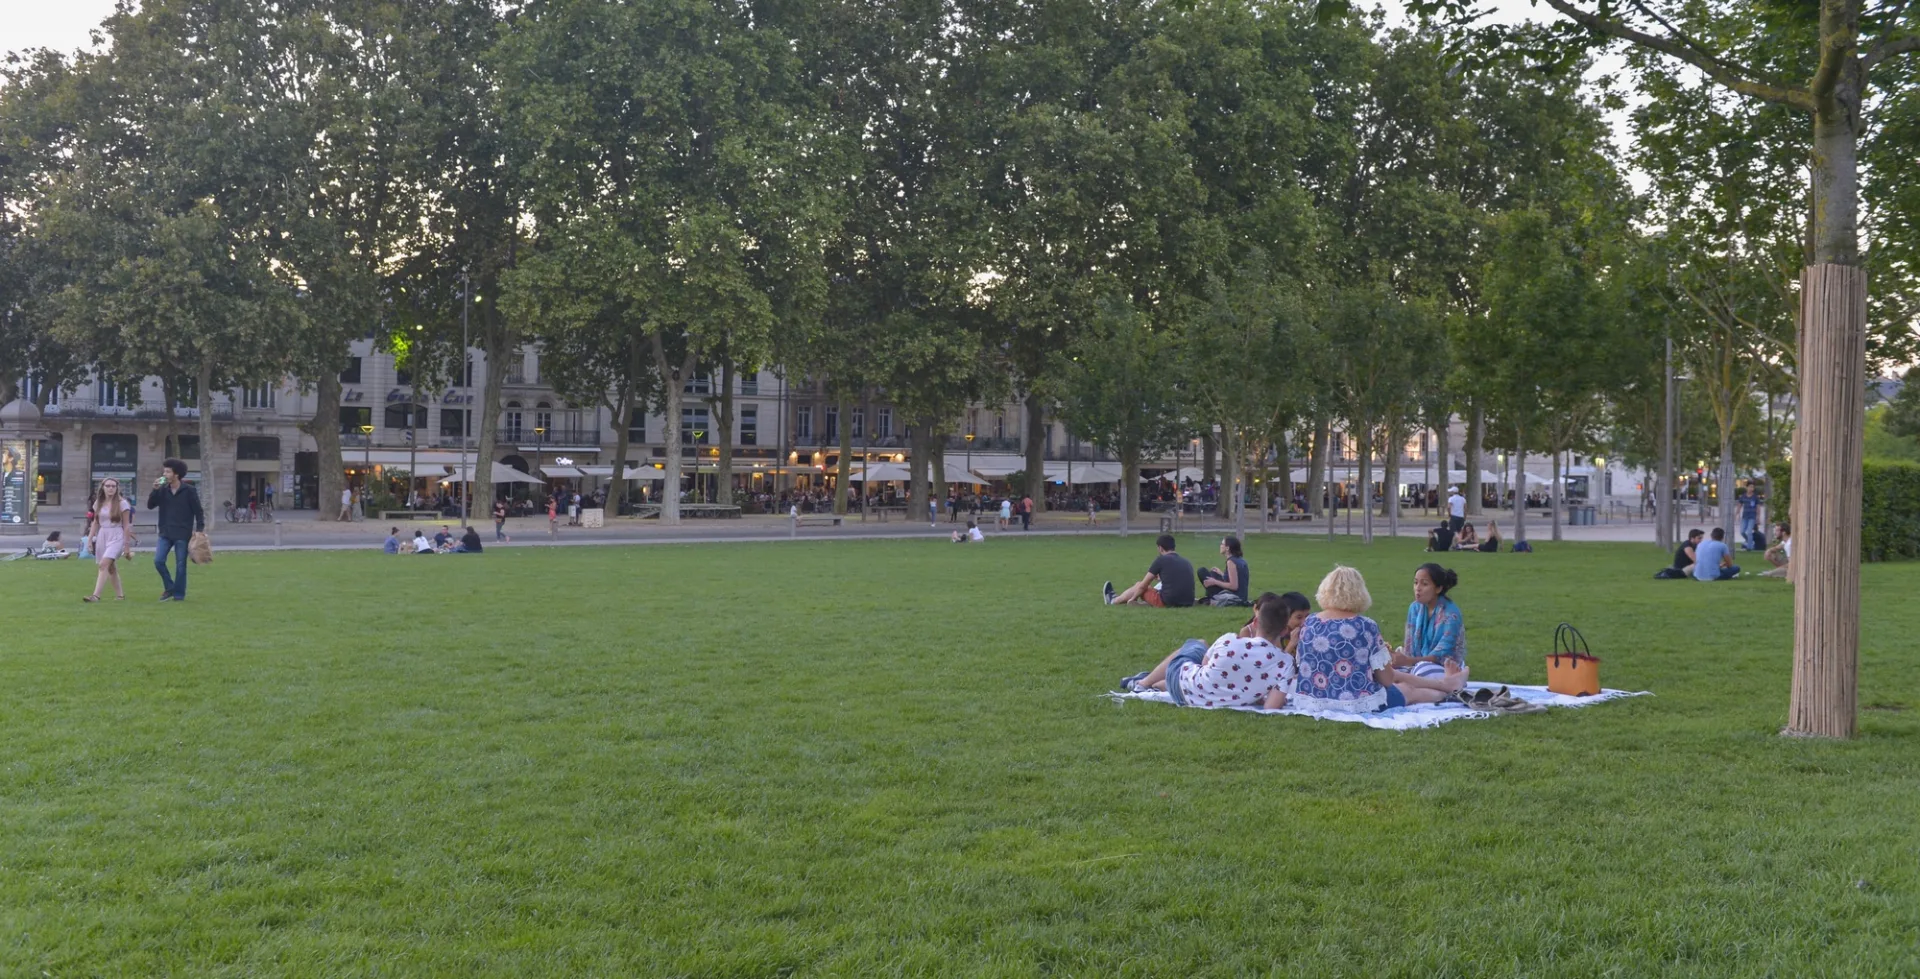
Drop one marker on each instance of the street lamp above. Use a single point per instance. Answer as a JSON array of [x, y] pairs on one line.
[[969, 454], [466, 429], [366, 465], [540, 454]]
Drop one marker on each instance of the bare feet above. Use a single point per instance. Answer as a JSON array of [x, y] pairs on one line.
[[1456, 678]]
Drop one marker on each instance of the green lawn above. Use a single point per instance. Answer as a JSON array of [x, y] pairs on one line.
[[893, 758]]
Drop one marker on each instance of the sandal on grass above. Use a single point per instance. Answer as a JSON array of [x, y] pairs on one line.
[[89, 598]]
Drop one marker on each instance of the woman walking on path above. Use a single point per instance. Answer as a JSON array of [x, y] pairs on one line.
[[113, 536], [499, 521]]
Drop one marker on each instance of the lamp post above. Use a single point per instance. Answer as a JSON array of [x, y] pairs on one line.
[[540, 455], [366, 465], [466, 429], [969, 454]]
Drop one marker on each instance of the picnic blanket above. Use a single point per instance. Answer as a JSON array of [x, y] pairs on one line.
[[1413, 715]]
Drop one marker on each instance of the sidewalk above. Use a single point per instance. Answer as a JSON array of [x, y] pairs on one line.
[[301, 530]]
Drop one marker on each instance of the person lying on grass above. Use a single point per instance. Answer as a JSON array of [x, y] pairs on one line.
[[1436, 634], [1293, 603], [1344, 662], [1236, 671]]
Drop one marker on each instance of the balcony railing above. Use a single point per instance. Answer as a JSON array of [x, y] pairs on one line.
[[551, 436], [76, 407], [983, 443]]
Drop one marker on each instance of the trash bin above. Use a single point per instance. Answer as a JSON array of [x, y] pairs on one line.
[[1166, 523], [1583, 516]]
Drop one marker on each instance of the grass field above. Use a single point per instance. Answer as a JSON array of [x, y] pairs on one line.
[[879, 758]]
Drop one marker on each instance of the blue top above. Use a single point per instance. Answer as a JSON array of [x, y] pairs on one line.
[[1337, 660], [1750, 506], [392, 546], [1706, 559], [1438, 631]]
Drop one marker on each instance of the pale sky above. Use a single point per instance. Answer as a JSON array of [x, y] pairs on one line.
[[61, 24]]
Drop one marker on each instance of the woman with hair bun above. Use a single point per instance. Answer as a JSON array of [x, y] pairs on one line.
[[1436, 634]]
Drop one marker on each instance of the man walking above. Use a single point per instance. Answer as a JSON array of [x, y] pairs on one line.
[[1456, 509], [179, 518], [1026, 513], [1749, 516], [346, 504]]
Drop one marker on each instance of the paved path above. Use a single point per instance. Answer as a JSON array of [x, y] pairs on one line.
[[300, 530]]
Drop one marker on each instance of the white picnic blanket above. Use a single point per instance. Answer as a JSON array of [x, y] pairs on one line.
[[1414, 715]]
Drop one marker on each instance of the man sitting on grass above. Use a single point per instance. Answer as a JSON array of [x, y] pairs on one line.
[[1441, 538], [1713, 559], [1173, 573], [1684, 558], [1780, 553]]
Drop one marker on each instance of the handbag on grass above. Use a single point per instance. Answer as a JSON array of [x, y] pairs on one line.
[[199, 549], [1572, 670]]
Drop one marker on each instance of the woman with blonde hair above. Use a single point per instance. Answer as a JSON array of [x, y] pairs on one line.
[[112, 531], [1345, 664]]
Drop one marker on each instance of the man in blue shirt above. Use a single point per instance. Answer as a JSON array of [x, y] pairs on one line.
[[1711, 555]]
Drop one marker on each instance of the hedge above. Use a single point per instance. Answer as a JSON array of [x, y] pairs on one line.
[[1889, 511]]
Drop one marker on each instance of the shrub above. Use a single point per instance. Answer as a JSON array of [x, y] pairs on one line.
[[1889, 508]]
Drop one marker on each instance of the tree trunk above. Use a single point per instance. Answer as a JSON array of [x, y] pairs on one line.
[[1366, 483], [324, 427], [1441, 480], [844, 474], [1519, 486], [1728, 495], [917, 468], [210, 492], [498, 341], [1037, 452], [723, 469], [1553, 495], [937, 459], [623, 409], [1284, 478], [672, 381], [1476, 429], [1209, 452], [1390, 488], [1129, 487], [1233, 475], [1827, 446], [1317, 489]]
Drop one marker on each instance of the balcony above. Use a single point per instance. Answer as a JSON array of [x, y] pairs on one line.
[[79, 407], [983, 443], [551, 436]]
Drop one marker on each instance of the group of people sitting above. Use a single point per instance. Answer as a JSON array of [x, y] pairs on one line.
[[441, 543], [1332, 660], [1457, 535], [52, 549], [1705, 556], [1171, 581]]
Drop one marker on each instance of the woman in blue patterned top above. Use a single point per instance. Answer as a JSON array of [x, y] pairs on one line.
[[1345, 664], [1436, 634]]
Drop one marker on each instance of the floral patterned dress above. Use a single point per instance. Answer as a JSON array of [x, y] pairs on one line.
[[1337, 660], [1235, 672]]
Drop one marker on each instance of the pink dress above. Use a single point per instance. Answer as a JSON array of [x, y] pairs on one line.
[[111, 541]]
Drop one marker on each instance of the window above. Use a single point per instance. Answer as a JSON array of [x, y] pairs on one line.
[[513, 421], [402, 376], [833, 424], [543, 419], [516, 368], [469, 381], [999, 425], [257, 448], [397, 417], [699, 383], [351, 419], [859, 423], [454, 423], [110, 394], [637, 430], [885, 423], [257, 397], [750, 384], [749, 425], [31, 388], [352, 374], [694, 429], [183, 446], [803, 422]]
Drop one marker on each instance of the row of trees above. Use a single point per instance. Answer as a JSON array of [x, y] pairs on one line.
[[1254, 218]]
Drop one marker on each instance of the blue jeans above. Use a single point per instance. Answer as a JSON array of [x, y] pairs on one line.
[[1747, 527], [175, 584], [1192, 651]]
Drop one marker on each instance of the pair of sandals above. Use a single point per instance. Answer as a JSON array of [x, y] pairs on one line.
[[97, 598], [1501, 701]]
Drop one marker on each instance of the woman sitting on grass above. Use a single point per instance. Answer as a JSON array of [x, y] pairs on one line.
[[1492, 543], [1436, 635], [1292, 603], [1467, 540], [1345, 664]]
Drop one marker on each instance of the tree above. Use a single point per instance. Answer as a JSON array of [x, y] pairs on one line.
[[1118, 397], [36, 133], [681, 171], [1822, 61]]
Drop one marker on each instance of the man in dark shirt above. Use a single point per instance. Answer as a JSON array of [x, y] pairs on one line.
[[1441, 538], [179, 518], [1173, 572], [1683, 558]]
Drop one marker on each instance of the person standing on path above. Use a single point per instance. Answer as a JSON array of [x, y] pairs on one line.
[[113, 537], [500, 522], [1749, 516], [553, 516], [180, 517], [346, 504], [1456, 509], [1026, 513]]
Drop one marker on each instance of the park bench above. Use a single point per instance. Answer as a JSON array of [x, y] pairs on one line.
[[410, 515], [817, 520], [726, 511], [885, 513], [1294, 516]]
